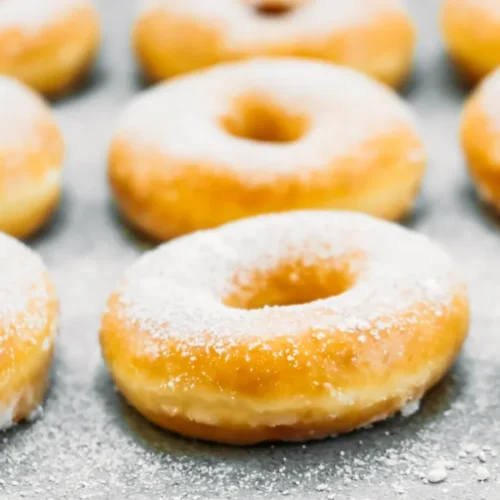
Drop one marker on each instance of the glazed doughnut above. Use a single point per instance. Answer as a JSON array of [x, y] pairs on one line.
[[50, 44], [31, 156], [284, 327], [261, 136], [480, 137], [373, 36], [471, 30], [28, 326]]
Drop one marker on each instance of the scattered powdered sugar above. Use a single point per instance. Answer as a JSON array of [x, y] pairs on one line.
[[482, 473], [7, 415], [35, 414], [437, 474], [178, 289], [411, 408], [489, 95], [34, 14], [20, 109], [345, 109], [240, 24], [22, 283], [111, 437], [92, 441], [23, 309], [470, 447]]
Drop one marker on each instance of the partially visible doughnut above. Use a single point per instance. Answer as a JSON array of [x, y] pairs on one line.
[[28, 326], [48, 44], [480, 137], [31, 157], [373, 36], [471, 30], [261, 136], [284, 327]]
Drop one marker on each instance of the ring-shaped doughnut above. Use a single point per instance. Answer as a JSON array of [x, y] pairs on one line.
[[48, 44], [284, 327], [374, 36], [31, 160], [28, 326], [262, 136], [480, 137], [471, 31]]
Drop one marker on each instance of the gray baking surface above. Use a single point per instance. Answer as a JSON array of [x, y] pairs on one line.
[[90, 444]]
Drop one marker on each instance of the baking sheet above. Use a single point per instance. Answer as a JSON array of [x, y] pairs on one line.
[[90, 444]]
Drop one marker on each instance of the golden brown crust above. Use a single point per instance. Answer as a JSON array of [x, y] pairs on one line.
[[429, 351], [480, 145], [55, 58], [278, 373], [166, 197], [472, 36], [29, 193], [164, 42], [25, 361]]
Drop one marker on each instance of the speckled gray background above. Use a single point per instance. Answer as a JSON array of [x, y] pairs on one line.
[[89, 444]]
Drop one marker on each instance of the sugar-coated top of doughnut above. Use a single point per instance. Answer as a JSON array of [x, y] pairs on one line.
[[34, 14], [491, 6], [175, 291], [23, 283], [241, 23], [489, 93], [344, 107], [19, 109]]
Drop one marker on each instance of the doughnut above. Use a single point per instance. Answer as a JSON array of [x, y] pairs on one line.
[[261, 136], [50, 44], [289, 326], [31, 156], [28, 327], [376, 37], [480, 138], [471, 31]]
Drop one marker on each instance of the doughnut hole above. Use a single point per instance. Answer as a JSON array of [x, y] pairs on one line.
[[259, 119], [275, 8], [291, 283]]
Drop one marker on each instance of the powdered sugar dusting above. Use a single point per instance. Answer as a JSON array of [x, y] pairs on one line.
[[35, 414], [344, 108], [7, 415], [34, 14], [89, 439], [22, 282], [23, 310], [178, 289], [489, 94], [241, 25], [411, 408], [491, 7], [20, 108]]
